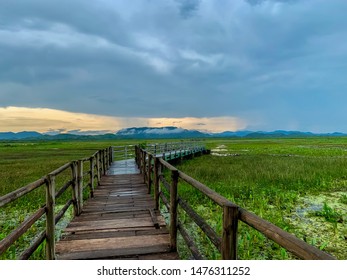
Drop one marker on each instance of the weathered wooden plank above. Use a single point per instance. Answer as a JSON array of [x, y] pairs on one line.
[[112, 215], [109, 224], [113, 233], [120, 216], [115, 223], [120, 208], [120, 204], [114, 243], [122, 253], [130, 208]]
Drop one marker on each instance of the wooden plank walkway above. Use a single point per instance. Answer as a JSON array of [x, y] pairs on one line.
[[118, 223]]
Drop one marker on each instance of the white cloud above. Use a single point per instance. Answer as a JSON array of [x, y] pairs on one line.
[[57, 35], [210, 59]]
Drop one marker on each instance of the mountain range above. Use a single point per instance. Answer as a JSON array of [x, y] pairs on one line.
[[160, 133]]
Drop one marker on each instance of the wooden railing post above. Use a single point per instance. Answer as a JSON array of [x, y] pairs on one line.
[[50, 219], [91, 176], [98, 167], [173, 210], [106, 154], [80, 186], [144, 165], [229, 236], [101, 162], [110, 155], [157, 172], [104, 162], [137, 155], [75, 193], [149, 181]]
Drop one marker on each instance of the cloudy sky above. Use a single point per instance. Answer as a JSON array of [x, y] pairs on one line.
[[76, 65]]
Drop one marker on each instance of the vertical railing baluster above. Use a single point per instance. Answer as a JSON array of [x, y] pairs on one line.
[[229, 235], [157, 172], [75, 193], [149, 171], [50, 217], [91, 176], [144, 165], [104, 162], [80, 186], [173, 210], [98, 166]]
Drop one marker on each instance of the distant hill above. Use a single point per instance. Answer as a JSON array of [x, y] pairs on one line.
[[161, 133], [19, 135]]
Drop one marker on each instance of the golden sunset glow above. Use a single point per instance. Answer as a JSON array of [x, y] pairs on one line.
[[43, 120]]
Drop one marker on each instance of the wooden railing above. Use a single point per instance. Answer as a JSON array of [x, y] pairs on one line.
[[78, 179], [171, 148], [152, 167], [168, 151], [123, 152]]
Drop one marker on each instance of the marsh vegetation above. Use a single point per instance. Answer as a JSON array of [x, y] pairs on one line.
[[299, 185]]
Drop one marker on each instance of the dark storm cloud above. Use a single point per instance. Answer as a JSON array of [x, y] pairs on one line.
[[276, 64], [188, 7]]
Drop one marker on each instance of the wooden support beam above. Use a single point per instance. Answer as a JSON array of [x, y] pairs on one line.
[[75, 194], [149, 172], [80, 186], [229, 235], [50, 220], [173, 210], [91, 178], [157, 171]]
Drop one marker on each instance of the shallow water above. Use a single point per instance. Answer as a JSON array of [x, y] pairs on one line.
[[328, 236]]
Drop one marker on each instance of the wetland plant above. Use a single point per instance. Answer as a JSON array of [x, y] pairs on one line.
[[329, 214]]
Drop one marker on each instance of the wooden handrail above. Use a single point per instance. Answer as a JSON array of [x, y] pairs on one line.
[[204, 226], [288, 241], [60, 169], [99, 162], [214, 196], [12, 196], [232, 213], [19, 231]]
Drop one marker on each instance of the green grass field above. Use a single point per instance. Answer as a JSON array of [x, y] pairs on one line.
[[298, 184]]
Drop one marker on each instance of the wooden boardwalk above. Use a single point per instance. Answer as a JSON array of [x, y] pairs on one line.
[[119, 222]]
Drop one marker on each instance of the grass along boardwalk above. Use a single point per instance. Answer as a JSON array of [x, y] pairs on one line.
[[120, 220]]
